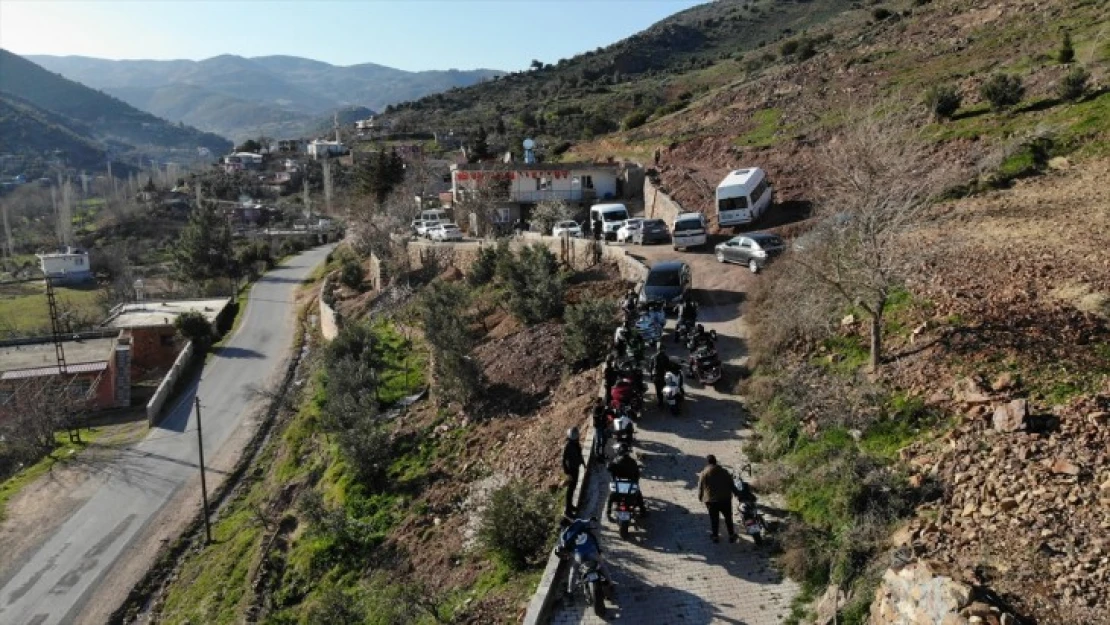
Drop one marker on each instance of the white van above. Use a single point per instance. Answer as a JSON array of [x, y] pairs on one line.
[[689, 230], [434, 214], [743, 196], [612, 217]]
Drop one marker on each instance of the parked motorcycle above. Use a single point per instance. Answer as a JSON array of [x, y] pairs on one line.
[[623, 429], [705, 365], [753, 521], [672, 392], [626, 397], [683, 330], [587, 574], [696, 341], [624, 495], [650, 327]]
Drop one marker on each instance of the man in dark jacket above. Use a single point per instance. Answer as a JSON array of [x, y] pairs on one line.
[[572, 459], [660, 364], [625, 467], [715, 490], [601, 414]]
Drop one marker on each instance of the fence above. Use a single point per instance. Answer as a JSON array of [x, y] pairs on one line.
[[154, 406]]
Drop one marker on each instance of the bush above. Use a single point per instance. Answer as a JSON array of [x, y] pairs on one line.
[[943, 100], [484, 268], [1074, 85], [447, 328], [1002, 91], [547, 214], [289, 247], [807, 49], [789, 47], [880, 14], [585, 322], [534, 284], [194, 327], [1066, 53], [667, 109], [352, 274], [517, 523], [635, 119]]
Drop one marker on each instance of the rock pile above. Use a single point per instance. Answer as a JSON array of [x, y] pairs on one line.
[[915, 594], [1026, 504]]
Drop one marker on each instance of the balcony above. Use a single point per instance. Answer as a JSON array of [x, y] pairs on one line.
[[547, 195]]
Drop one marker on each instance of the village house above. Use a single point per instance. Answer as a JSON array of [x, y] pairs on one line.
[[326, 148], [66, 266], [242, 161], [149, 327]]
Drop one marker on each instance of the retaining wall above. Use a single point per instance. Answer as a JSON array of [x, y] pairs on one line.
[[154, 406], [329, 319], [659, 205]]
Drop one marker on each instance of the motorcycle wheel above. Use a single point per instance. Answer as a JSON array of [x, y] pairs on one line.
[[624, 530], [597, 598]]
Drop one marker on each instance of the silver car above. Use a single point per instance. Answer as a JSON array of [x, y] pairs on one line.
[[754, 249]]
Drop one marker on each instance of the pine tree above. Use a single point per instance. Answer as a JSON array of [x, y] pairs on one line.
[[1066, 53], [480, 148], [204, 249]]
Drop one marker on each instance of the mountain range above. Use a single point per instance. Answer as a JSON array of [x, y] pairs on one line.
[[44, 114], [240, 97]]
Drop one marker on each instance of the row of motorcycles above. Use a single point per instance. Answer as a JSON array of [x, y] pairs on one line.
[[643, 327]]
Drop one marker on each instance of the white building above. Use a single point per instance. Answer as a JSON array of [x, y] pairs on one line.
[[537, 182], [67, 265], [325, 148]]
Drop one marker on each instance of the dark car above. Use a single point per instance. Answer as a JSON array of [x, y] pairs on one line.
[[667, 282], [754, 249], [652, 231]]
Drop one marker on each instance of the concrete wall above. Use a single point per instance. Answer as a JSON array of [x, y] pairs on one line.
[[329, 319], [154, 406], [374, 274], [152, 348], [659, 205]]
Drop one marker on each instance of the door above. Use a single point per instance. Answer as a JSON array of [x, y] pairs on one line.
[[732, 250], [745, 250]]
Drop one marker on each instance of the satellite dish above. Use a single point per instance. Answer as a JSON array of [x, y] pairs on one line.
[[529, 144]]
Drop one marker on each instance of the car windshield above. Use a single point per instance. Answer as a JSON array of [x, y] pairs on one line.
[[450, 227], [654, 223], [615, 216], [566, 224], [687, 224], [663, 278]]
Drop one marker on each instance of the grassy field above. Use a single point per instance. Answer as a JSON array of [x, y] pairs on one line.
[[23, 308]]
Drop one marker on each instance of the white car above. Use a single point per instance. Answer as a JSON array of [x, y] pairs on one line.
[[567, 229], [445, 232], [629, 228], [424, 226]]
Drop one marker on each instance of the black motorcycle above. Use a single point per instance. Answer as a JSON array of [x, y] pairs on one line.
[[705, 365]]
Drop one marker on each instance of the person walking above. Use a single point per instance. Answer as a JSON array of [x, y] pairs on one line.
[[572, 459], [715, 489], [601, 429], [660, 365]]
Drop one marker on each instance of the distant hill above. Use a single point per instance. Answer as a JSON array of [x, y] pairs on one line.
[[241, 97], [92, 114], [592, 93], [30, 131]]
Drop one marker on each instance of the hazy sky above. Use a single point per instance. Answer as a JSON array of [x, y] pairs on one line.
[[407, 34]]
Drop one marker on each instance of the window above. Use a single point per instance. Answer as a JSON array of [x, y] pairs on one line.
[[501, 216], [80, 261], [746, 244], [545, 184], [687, 224], [732, 203], [759, 190], [5, 397], [587, 182], [166, 340]]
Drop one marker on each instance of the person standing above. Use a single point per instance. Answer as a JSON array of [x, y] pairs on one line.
[[660, 365], [601, 429], [715, 490], [572, 459]]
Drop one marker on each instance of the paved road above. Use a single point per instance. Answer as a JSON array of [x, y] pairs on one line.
[[52, 585], [669, 571]]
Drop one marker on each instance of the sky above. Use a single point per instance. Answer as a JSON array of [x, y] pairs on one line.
[[406, 34]]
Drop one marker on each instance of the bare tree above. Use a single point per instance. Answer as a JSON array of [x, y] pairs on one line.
[[482, 196], [547, 214], [877, 179]]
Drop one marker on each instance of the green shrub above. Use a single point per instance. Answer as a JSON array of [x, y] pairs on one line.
[[667, 109], [194, 327], [1002, 91], [352, 274], [943, 100], [517, 523], [484, 268], [789, 47], [1074, 85], [1066, 53], [447, 328], [585, 322], [807, 49], [635, 119], [880, 13], [534, 285]]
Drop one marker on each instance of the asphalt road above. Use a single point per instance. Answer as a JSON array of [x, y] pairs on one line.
[[56, 581]]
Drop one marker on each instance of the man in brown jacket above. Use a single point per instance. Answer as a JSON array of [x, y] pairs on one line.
[[715, 490]]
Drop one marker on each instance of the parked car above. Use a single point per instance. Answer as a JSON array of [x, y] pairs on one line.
[[754, 249], [689, 230], [415, 225], [667, 282], [425, 226], [567, 228], [611, 216], [445, 232], [628, 229], [652, 231]]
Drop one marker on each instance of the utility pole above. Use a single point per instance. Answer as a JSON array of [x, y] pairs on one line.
[[203, 482]]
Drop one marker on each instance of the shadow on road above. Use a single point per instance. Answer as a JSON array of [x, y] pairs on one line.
[[238, 352]]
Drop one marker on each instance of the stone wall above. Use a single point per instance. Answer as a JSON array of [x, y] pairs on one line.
[[329, 319], [154, 406], [374, 273], [659, 205]]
